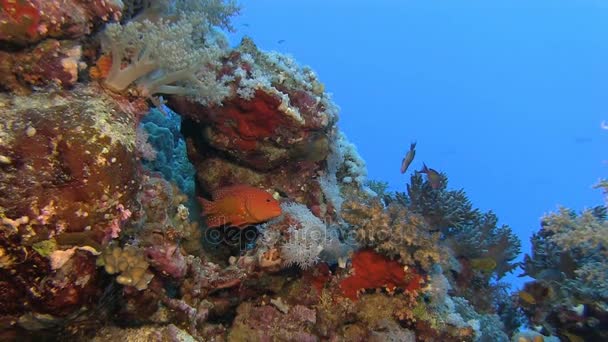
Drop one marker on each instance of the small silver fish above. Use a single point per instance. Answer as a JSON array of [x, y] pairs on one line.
[[409, 157]]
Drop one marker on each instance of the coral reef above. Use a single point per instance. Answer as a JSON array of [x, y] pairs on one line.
[[569, 296], [272, 127], [168, 56], [372, 270], [51, 62], [101, 234], [69, 179]]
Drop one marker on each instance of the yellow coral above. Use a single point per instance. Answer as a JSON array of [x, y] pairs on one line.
[[129, 263]]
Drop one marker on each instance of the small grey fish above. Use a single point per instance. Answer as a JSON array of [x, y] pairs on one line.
[[409, 157]]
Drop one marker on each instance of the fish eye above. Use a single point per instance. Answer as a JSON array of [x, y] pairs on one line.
[[268, 200]]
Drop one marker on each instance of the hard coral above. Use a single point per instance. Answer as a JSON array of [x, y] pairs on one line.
[[51, 62], [570, 292], [162, 136], [372, 270], [261, 323], [261, 127], [128, 263], [393, 231], [25, 22], [67, 167], [469, 232]]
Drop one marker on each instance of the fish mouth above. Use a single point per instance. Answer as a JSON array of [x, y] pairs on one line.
[[277, 212]]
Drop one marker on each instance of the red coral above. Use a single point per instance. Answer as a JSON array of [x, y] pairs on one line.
[[24, 22], [23, 12], [372, 270], [318, 276], [243, 123]]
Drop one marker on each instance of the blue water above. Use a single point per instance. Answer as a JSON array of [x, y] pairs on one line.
[[506, 97]]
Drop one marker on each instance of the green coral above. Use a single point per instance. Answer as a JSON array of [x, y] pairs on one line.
[[468, 232], [45, 248]]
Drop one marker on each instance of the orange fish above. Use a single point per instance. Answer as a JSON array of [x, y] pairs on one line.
[[239, 206]]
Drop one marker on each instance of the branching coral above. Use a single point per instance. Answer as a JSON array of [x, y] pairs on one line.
[[393, 231], [443, 209], [568, 261], [467, 231], [129, 262], [572, 248]]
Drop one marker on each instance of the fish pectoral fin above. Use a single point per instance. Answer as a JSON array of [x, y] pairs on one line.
[[240, 223], [209, 207]]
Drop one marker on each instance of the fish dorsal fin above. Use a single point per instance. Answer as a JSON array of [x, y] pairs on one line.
[[229, 191]]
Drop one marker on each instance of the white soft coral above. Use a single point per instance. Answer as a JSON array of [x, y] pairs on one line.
[[306, 240], [301, 250], [176, 54]]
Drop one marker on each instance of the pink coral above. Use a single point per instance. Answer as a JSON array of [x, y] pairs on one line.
[[167, 259]]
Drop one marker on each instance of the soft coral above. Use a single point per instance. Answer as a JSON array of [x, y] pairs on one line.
[[177, 54]]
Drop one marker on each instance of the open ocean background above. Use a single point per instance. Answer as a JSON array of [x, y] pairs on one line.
[[506, 97]]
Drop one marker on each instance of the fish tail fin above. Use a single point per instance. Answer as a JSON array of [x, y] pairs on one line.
[[424, 169], [212, 217], [412, 145], [209, 207]]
